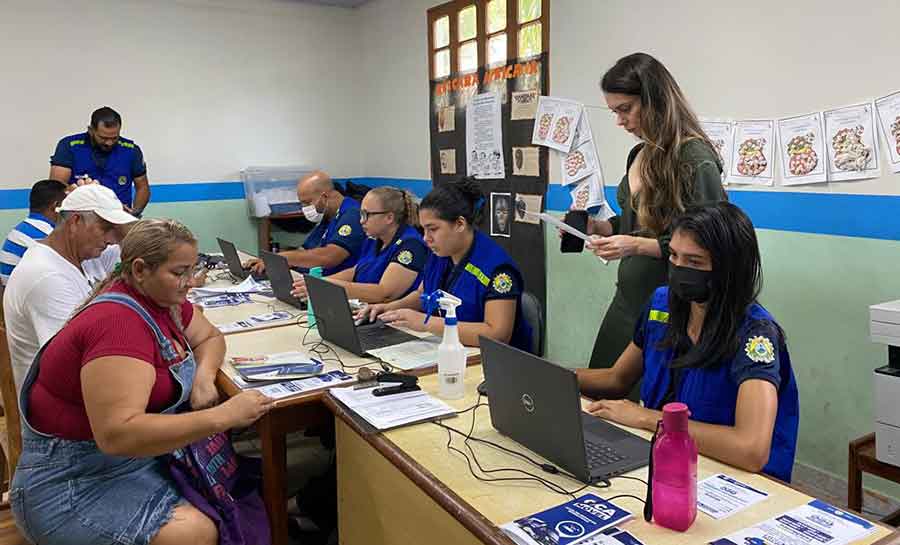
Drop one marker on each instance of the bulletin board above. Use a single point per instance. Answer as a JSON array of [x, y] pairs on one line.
[[518, 84]]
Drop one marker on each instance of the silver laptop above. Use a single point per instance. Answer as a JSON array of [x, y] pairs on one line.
[[538, 404]]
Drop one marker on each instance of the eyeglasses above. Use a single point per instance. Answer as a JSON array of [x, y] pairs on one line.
[[364, 214], [185, 278]]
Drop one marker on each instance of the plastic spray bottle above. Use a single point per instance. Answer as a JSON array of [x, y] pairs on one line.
[[451, 356]]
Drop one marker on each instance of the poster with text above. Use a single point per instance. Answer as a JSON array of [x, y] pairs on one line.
[[556, 122], [852, 143], [752, 160], [524, 104], [802, 146], [888, 109], [720, 134], [484, 138]]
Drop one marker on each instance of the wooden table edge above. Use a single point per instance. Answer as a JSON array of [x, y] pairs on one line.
[[453, 504]]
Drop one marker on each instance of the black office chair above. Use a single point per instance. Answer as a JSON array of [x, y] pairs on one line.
[[534, 315]]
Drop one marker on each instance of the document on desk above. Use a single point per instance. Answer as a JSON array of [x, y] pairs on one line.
[[303, 385], [249, 285], [413, 354], [577, 522], [814, 523], [721, 496], [256, 321], [392, 411]]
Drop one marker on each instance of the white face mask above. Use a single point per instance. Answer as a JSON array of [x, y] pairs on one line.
[[312, 214]]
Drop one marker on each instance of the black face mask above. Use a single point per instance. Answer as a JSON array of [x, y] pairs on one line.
[[690, 284]]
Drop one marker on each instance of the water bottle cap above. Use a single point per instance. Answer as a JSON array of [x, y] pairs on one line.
[[675, 417]]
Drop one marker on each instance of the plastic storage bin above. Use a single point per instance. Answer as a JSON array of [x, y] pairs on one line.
[[272, 190]]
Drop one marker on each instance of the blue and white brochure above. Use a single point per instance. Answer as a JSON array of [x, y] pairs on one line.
[[721, 496], [814, 523], [571, 523]]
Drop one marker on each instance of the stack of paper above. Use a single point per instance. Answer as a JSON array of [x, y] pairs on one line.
[[256, 321], [391, 411], [249, 285], [577, 522], [303, 385], [413, 354]]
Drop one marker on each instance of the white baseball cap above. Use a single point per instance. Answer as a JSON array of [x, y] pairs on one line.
[[98, 199]]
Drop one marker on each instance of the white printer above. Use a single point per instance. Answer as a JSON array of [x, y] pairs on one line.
[[884, 328]]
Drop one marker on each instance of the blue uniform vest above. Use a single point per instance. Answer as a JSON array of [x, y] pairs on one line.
[[116, 174], [322, 233], [474, 283], [711, 394], [372, 263]]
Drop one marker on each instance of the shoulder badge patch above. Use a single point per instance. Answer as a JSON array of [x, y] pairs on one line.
[[760, 350], [502, 283], [345, 230], [405, 257], [399, 242], [123, 180]]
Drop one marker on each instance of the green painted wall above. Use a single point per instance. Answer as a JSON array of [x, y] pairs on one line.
[[818, 287]]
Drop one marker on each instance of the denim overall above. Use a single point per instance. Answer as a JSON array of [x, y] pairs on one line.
[[70, 492]]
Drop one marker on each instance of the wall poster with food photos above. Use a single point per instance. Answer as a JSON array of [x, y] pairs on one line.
[[518, 85]]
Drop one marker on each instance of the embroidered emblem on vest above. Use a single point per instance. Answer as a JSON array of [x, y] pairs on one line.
[[345, 230], [760, 350]]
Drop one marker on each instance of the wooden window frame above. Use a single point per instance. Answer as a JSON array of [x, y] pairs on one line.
[[451, 9]]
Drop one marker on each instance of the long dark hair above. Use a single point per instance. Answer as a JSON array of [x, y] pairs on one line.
[[461, 198], [667, 122], [726, 232]]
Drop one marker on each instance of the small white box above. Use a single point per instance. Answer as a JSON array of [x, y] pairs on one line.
[[887, 415], [884, 323]]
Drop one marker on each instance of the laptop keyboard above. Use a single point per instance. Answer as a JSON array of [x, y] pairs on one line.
[[600, 454], [372, 337]]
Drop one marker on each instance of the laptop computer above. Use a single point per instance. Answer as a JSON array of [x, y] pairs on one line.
[[538, 404], [335, 321], [280, 277], [233, 260]]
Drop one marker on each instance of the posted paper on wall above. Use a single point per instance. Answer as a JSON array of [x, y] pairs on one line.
[[448, 161], [852, 143], [888, 109], [524, 104], [556, 123], [484, 137], [528, 207], [588, 194], [579, 163], [752, 161], [802, 144], [815, 523], [526, 161], [720, 134]]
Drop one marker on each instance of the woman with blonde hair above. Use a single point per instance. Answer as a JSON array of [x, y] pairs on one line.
[[674, 166], [128, 379], [393, 256]]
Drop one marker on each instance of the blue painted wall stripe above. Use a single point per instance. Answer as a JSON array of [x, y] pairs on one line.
[[865, 216]]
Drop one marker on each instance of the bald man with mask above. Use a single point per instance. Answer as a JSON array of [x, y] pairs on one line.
[[336, 241]]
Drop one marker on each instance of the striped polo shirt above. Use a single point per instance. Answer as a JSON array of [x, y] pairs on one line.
[[23, 236]]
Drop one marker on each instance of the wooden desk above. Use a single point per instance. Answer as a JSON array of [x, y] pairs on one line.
[[404, 486], [861, 459], [289, 415]]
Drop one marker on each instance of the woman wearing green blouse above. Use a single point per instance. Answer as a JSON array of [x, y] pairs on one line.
[[674, 166]]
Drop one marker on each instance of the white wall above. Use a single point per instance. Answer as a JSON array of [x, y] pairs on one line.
[[394, 88], [205, 87], [758, 60]]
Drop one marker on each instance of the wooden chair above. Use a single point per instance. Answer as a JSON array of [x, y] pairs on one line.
[[11, 409]]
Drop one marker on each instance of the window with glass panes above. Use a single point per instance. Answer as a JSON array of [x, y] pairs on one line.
[[464, 35]]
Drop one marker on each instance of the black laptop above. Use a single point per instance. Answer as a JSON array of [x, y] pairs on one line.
[[280, 277], [538, 404], [335, 321], [233, 260]]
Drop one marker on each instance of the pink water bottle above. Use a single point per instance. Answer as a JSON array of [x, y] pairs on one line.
[[674, 471]]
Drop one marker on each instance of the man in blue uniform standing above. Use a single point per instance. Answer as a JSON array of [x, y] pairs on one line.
[[336, 242], [103, 155]]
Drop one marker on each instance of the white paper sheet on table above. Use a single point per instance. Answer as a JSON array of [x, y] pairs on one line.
[[721, 496], [302, 385], [815, 523], [391, 411], [249, 285], [413, 354]]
